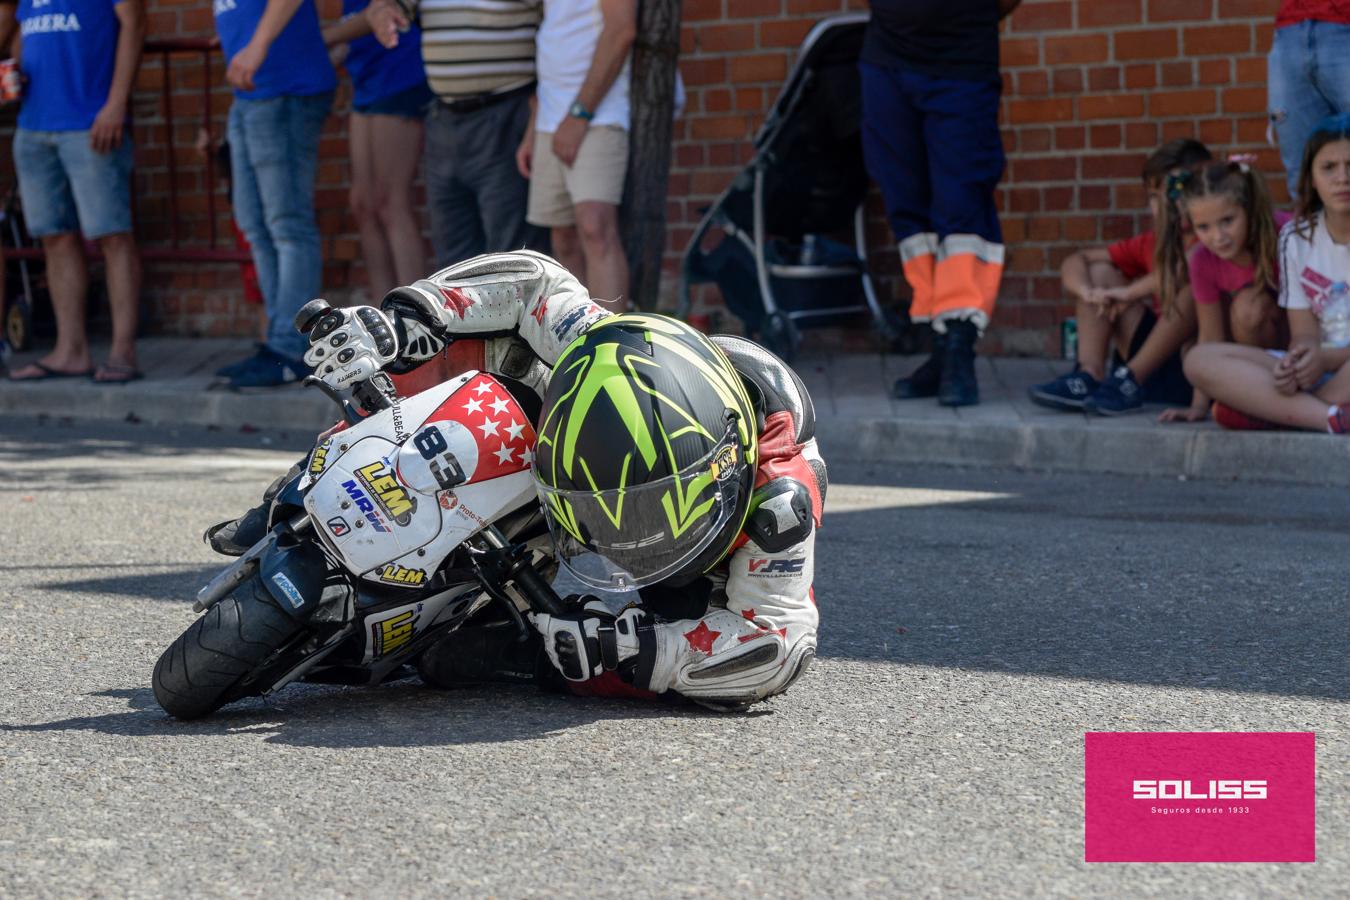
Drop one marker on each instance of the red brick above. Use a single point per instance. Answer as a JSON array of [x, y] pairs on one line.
[[1015, 52], [703, 71], [700, 10], [1058, 199], [750, 99], [707, 127], [1251, 70], [726, 38], [1148, 44], [1080, 228], [1035, 140], [1040, 111], [1043, 228], [1179, 10], [1104, 78], [1141, 134], [1244, 100], [1110, 106], [1092, 196], [1177, 74], [716, 100], [784, 34], [1216, 71], [1181, 103], [1082, 48], [1033, 83], [1044, 168], [1103, 137], [1214, 40], [1099, 167], [1070, 137], [1057, 16], [1140, 76], [1096, 13], [1024, 200], [759, 67], [1216, 132], [1068, 81]]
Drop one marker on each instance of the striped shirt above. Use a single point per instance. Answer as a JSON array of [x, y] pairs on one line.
[[472, 47]]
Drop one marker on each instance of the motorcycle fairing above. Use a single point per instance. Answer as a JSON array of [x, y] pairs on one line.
[[396, 509], [392, 630]]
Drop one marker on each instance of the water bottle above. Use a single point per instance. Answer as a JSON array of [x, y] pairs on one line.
[[1335, 316], [1068, 339]]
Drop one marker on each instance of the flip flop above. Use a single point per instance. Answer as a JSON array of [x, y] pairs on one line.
[[121, 374], [50, 374]]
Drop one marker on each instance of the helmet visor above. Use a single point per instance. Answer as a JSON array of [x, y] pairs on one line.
[[618, 540]]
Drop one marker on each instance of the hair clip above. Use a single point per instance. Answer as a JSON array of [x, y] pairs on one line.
[[1176, 183], [1243, 161]]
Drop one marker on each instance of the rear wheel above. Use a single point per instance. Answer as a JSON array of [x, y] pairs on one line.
[[204, 669]]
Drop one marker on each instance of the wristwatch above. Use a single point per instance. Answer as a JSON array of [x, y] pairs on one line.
[[581, 112]]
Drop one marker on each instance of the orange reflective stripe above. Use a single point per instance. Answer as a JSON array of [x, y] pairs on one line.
[[917, 258]]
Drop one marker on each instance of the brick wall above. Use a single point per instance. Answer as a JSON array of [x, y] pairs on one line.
[[1090, 87]]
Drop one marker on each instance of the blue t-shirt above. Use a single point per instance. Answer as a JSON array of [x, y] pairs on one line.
[[69, 51], [378, 73], [297, 62]]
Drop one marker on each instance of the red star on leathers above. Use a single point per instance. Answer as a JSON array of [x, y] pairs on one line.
[[539, 310], [456, 301], [702, 637]]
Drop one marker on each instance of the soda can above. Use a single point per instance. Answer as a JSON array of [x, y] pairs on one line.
[[9, 81], [1068, 338]]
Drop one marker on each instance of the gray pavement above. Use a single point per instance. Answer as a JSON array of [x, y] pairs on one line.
[[858, 420], [974, 625]]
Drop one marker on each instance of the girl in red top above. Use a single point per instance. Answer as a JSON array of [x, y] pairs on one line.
[[1230, 280]]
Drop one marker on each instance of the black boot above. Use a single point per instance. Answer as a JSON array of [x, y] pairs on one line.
[[923, 381], [233, 538], [477, 654], [958, 386]]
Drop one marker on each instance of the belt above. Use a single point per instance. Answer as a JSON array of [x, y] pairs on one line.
[[481, 101]]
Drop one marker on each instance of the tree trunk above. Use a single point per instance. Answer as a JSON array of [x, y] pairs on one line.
[[655, 53]]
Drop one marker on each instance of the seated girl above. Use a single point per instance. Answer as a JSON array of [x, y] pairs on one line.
[[1307, 386]]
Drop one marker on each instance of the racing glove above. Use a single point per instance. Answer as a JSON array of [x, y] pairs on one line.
[[363, 344], [587, 643]]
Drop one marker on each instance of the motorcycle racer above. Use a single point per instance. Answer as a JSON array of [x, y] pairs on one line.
[[679, 478]]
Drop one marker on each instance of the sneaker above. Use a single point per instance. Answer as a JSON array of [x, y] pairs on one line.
[[1235, 420], [235, 368], [1068, 391], [1117, 395], [269, 369], [1338, 420]]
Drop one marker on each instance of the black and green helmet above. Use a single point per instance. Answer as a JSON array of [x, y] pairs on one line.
[[646, 453]]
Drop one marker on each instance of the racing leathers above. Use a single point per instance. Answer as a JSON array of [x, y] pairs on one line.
[[739, 633]]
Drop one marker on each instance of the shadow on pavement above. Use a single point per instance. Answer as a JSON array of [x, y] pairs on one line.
[[404, 714], [1196, 585]]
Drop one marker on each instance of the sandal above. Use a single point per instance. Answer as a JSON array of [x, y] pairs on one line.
[[47, 373]]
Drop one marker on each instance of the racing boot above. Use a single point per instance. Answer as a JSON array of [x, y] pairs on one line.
[[233, 538], [479, 654], [957, 385], [925, 380]]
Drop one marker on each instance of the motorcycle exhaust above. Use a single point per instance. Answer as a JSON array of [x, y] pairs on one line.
[[241, 569]]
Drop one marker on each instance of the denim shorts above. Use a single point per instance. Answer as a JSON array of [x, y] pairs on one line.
[[65, 185], [410, 104]]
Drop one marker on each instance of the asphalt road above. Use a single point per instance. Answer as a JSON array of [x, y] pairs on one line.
[[974, 625]]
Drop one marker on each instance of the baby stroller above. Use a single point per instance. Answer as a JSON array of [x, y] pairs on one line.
[[779, 262]]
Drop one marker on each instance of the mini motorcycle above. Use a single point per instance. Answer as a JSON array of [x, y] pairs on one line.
[[410, 522]]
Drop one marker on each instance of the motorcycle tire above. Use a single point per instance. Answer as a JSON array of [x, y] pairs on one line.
[[204, 669]]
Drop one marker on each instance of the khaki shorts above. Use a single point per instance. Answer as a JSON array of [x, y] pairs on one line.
[[597, 175]]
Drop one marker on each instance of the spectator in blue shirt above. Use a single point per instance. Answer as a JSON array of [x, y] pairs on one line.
[[283, 89], [72, 152], [390, 98]]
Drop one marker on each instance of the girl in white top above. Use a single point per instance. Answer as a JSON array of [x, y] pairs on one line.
[[1308, 386]]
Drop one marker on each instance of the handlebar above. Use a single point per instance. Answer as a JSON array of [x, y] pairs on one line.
[[317, 319]]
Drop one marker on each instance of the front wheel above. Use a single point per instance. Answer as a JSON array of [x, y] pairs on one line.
[[204, 668]]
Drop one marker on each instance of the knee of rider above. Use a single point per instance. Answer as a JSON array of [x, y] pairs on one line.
[[359, 197], [1105, 274]]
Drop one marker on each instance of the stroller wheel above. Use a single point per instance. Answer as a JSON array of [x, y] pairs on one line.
[[18, 325], [779, 335]]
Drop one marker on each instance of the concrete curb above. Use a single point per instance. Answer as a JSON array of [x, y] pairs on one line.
[[857, 422], [1075, 446]]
